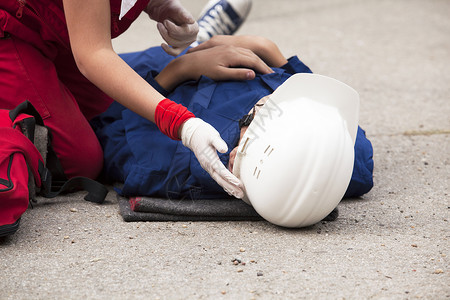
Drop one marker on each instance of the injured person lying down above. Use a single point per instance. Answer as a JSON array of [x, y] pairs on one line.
[[293, 136]]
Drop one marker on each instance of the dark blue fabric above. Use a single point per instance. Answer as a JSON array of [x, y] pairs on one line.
[[151, 164], [362, 176]]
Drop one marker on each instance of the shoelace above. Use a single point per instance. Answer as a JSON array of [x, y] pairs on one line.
[[217, 22]]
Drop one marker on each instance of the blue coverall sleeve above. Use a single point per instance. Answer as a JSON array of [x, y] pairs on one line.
[[362, 176]]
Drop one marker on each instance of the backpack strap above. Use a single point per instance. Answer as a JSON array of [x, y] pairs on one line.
[[25, 108], [96, 191], [21, 115], [50, 176], [13, 141]]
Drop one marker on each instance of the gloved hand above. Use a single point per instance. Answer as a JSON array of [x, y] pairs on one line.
[[175, 24], [204, 141]]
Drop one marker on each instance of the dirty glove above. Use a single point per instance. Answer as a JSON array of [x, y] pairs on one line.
[[204, 141], [175, 24]]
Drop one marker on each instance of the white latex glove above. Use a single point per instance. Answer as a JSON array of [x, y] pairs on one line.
[[204, 140], [175, 24]]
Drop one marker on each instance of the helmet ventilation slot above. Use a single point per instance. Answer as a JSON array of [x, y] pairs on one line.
[[244, 147], [267, 150], [256, 172]]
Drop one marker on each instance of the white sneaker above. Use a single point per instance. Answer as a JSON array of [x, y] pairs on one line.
[[222, 17]]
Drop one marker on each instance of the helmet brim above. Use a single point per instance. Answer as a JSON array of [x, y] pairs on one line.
[[325, 90]]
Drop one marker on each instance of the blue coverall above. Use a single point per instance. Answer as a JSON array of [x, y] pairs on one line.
[[148, 163]]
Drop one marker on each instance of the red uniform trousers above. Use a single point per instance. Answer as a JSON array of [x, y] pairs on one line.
[[65, 99]]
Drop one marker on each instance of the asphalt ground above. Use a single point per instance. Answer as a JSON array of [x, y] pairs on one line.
[[392, 243]]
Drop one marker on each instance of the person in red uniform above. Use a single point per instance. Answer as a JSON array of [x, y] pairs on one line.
[[58, 55]]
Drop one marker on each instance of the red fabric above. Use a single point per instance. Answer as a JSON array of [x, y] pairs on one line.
[[14, 199], [169, 116], [37, 65], [46, 17], [26, 74], [134, 202]]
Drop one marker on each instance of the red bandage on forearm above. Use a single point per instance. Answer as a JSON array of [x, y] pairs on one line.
[[169, 116]]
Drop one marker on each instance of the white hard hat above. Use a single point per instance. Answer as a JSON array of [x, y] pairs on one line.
[[296, 158]]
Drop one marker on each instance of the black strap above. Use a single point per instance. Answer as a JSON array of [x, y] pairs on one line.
[[96, 191], [26, 108], [245, 120], [28, 129]]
